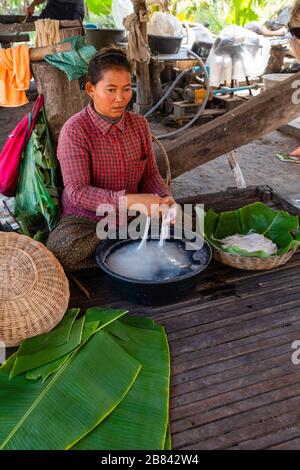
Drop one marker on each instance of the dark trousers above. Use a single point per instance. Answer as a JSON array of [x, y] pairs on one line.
[[63, 11]]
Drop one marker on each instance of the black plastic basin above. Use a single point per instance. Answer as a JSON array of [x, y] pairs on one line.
[[155, 292], [164, 44]]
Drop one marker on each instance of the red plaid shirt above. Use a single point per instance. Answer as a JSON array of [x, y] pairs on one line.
[[101, 161]]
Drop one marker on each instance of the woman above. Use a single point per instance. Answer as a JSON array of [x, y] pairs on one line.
[[106, 156]]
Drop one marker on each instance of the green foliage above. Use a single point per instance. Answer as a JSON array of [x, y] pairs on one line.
[[100, 12], [279, 226], [219, 13]]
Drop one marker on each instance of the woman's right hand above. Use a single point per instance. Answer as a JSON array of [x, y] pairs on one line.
[[296, 152], [149, 204]]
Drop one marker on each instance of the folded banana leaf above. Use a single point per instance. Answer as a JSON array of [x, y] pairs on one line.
[[279, 226], [43, 355], [43, 372], [141, 419], [59, 335], [25, 362], [57, 413]]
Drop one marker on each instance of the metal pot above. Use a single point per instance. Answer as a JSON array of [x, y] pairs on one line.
[[104, 37]]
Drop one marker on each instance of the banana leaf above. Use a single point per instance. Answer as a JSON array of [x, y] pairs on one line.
[[38, 192], [25, 362], [91, 324], [139, 322], [279, 226], [168, 442], [43, 372], [57, 413], [141, 419], [104, 315], [59, 335]]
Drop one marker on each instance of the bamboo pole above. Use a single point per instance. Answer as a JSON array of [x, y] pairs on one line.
[[38, 53]]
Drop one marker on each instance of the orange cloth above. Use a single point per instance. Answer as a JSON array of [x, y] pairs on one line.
[[14, 75]]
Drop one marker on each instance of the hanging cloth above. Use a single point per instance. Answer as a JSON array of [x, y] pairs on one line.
[[137, 50], [14, 75], [47, 32]]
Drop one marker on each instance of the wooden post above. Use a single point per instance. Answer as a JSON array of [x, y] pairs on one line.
[[143, 101], [236, 169], [62, 98], [155, 70], [276, 59]]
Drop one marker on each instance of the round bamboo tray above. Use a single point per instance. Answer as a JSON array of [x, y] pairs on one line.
[[252, 263], [34, 290]]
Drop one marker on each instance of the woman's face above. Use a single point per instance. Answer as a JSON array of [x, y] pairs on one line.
[[112, 93]]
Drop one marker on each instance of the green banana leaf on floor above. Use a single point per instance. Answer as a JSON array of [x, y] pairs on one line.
[[111, 391]]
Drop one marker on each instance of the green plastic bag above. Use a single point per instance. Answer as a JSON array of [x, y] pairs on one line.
[[37, 199]]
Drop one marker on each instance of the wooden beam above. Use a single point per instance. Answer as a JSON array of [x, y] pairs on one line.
[[26, 27], [261, 114], [38, 53]]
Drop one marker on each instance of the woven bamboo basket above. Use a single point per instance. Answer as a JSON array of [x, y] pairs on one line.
[[251, 263], [34, 290]]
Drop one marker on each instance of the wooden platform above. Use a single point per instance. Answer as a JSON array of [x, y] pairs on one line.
[[233, 384]]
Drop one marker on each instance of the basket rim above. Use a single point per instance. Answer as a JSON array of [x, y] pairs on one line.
[[249, 258], [235, 255]]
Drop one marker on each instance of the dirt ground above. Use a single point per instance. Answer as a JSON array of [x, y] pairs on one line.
[[257, 161]]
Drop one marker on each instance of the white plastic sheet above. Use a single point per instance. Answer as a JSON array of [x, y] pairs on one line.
[[119, 10], [237, 53], [165, 24]]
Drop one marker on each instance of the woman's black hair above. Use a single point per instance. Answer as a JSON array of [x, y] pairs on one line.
[[106, 59]]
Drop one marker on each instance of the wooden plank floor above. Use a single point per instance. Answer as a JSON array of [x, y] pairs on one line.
[[233, 384]]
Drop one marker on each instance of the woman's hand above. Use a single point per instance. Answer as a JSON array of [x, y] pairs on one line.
[[151, 205], [30, 9], [296, 152]]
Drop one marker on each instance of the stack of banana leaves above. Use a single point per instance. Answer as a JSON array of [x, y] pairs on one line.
[[98, 381]]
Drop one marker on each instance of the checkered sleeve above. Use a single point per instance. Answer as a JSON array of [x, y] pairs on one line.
[[152, 181], [73, 155]]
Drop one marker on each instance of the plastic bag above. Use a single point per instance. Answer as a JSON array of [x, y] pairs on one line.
[[11, 153], [237, 53], [120, 9], [37, 198], [165, 24]]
